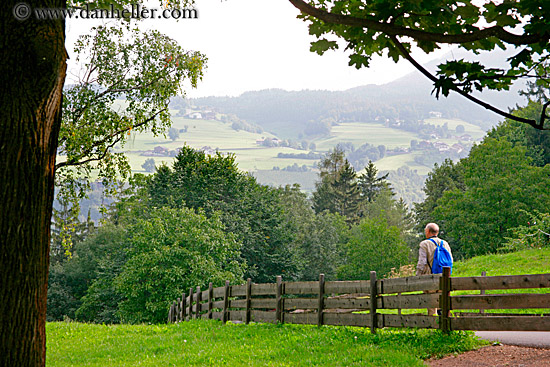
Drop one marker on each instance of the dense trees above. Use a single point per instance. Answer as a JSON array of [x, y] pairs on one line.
[[499, 185], [374, 245], [482, 198], [251, 211]]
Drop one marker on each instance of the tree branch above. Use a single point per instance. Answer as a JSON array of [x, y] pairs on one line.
[[406, 55], [395, 30], [103, 141]]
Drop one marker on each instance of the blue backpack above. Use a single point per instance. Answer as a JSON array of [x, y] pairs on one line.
[[442, 258]]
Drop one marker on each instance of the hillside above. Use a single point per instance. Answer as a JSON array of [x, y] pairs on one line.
[[536, 261]]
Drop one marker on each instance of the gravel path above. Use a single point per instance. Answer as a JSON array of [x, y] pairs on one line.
[[496, 356]]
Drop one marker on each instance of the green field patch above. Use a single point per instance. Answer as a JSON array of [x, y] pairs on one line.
[[394, 162], [210, 343], [360, 133]]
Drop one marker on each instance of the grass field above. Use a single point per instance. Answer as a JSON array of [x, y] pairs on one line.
[[360, 133], [210, 343], [218, 135], [397, 161], [252, 157]]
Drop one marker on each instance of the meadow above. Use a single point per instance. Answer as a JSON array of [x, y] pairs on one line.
[[210, 343], [253, 157]]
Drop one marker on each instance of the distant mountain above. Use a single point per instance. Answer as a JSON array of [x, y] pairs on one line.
[[310, 113]]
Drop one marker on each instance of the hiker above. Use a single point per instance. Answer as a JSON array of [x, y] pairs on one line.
[[426, 255]]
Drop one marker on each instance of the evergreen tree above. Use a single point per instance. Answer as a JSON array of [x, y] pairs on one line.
[[346, 194], [369, 184], [337, 190]]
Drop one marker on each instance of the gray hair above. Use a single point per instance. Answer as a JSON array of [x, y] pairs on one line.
[[432, 228]]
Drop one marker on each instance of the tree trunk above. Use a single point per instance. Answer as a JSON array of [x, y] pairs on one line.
[[32, 73]]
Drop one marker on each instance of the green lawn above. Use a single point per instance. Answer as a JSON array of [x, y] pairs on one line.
[[360, 133], [210, 343], [535, 261], [395, 162], [218, 135]]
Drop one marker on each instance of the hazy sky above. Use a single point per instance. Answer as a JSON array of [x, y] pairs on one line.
[[259, 44]]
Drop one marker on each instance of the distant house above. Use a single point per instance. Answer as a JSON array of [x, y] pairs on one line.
[[465, 137], [160, 150], [209, 115], [458, 148], [194, 115], [442, 147], [435, 114], [208, 150], [269, 142], [424, 144]]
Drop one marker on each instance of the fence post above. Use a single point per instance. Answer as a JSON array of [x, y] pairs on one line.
[[170, 313], [483, 273], [248, 292], [279, 300], [190, 303], [177, 309], [210, 296], [321, 300], [373, 301], [183, 306], [225, 302], [198, 309], [445, 300]]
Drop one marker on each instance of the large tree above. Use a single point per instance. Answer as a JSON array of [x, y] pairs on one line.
[[32, 74], [500, 186], [393, 27]]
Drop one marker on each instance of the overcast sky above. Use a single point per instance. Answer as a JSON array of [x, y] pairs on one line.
[[259, 44]]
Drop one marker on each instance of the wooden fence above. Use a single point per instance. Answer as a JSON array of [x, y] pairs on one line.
[[351, 302]]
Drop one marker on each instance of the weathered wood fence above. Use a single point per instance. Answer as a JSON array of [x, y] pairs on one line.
[[364, 303]]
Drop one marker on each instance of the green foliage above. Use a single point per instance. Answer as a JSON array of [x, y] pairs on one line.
[[149, 165], [72, 290], [146, 69], [374, 246], [173, 133], [369, 184], [499, 185], [337, 191], [448, 176], [173, 250], [393, 27], [535, 141], [206, 342], [318, 238], [251, 211], [534, 234]]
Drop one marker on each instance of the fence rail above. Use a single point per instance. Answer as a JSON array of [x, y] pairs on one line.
[[364, 303]]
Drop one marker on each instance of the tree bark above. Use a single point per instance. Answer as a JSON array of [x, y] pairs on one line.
[[32, 73]]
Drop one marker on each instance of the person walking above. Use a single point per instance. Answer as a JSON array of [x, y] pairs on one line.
[[426, 251]]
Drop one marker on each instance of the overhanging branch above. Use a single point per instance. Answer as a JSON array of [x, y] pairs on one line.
[[76, 162], [396, 30], [403, 51]]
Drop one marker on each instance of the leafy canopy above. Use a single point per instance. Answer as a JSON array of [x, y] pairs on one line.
[[145, 69], [393, 27]]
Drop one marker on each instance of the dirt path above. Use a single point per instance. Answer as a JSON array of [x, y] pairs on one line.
[[498, 355]]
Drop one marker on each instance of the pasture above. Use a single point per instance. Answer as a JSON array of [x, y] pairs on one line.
[[210, 343]]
